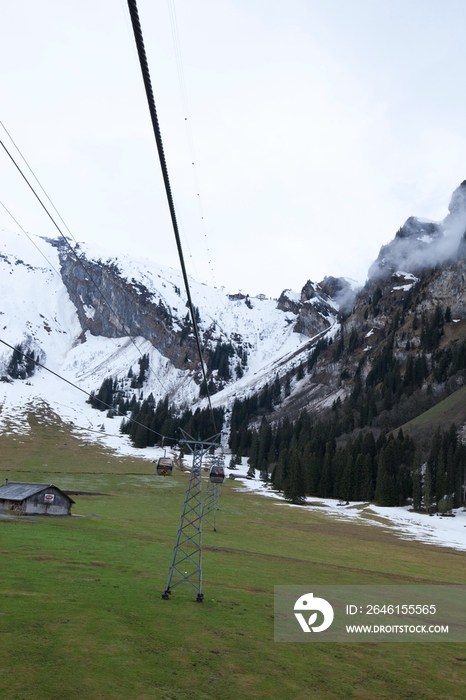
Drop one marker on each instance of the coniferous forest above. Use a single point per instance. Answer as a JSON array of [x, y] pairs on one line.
[[354, 450], [302, 459], [146, 421]]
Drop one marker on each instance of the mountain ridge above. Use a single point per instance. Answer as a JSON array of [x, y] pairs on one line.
[[90, 316]]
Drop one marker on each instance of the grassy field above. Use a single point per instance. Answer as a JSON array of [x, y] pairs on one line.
[[450, 410], [81, 614]]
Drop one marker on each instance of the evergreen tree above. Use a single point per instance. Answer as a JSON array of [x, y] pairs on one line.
[[367, 485], [432, 462], [417, 484], [427, 488], [325, 485], [294, 483], [276, 391], [265, 442], [22, 363], [287, 385], [345, 486], [385, 489], [140, 437]]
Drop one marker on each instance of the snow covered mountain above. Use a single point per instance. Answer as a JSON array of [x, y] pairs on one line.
[[87, 316]]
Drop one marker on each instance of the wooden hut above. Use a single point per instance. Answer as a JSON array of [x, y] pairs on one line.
[[34, 499]]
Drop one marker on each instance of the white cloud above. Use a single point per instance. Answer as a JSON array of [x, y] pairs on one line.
[[317, 129]]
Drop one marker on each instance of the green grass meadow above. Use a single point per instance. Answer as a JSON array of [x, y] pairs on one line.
[[81, 616], [442, 415]]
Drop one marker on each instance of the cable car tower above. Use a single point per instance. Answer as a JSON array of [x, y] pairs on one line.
[[186, 566]]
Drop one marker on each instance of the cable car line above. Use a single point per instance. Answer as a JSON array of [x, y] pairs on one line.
[[79, 260], [83, 391], [37, 180], [187, 120], [137, 31], [29, 237], [36, 195], [186, 565], [44, 256]]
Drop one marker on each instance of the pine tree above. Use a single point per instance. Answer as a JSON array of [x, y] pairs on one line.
[[417, 484], [280, 471], [432, 462], [325, 485], [385, 489], [427, 488], [254, 453], [367, 486], [294, 483], [287, 385], [276, 391], [140, 437], [345, 491]]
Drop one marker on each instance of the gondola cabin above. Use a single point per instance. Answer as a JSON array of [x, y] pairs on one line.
[[217, 475], [165, 466]]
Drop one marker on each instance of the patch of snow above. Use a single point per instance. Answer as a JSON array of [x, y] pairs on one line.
[[406, 275], [89, 311], [426, 221], [403, 287], [436, 530], [293, 296]]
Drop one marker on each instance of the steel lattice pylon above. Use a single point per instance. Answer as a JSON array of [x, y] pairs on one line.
[[212, 496], [186, 566]]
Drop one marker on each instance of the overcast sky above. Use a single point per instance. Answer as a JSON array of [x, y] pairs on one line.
[[315, 127]]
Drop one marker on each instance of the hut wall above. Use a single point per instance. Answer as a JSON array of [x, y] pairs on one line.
[[38, 503]]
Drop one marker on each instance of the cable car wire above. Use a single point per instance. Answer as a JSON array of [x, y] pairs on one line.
[[137, 31], [29, 237], [37, 180], [190, 136], [83, 391], [42, 254], [78, 259]]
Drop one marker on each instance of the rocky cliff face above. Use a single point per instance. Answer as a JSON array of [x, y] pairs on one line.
[[315, 309], [420, 243], [109, 305], [410, 313]]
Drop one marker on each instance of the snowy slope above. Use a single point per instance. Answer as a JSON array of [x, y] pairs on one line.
[[36, 311]]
